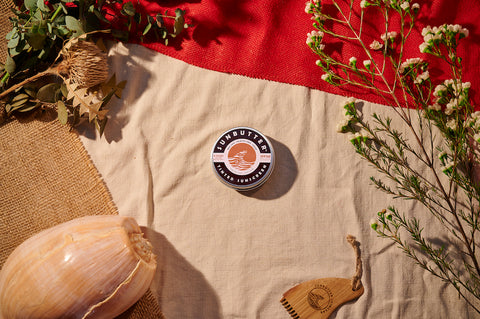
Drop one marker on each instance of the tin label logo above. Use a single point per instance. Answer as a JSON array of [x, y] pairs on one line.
[[242, 157]]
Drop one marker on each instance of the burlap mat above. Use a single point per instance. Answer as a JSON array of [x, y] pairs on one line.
[[46, 178]]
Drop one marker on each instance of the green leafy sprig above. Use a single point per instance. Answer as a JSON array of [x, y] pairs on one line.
[[41, 31], [436, 130]]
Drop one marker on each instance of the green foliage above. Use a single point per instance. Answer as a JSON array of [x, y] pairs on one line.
[[436, 130], [42, 30]]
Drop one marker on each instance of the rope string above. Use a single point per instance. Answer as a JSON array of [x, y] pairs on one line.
[[357, 277]]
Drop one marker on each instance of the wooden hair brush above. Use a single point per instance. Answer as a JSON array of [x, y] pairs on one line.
[[318, 298]]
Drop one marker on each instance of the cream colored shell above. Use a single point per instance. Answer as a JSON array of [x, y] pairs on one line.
[[90, 267]]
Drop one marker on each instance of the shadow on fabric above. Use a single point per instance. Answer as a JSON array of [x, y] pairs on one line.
[[283, 175], [181, 290], [125, 67]]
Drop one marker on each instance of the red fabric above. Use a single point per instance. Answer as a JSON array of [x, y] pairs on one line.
[[266, 39]]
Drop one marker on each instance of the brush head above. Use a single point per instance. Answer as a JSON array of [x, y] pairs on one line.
[[318, 298]]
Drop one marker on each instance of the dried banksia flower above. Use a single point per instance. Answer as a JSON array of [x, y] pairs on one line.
[[84, 64]]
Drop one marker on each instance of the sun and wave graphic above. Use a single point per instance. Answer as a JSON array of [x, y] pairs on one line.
[[242, 157]]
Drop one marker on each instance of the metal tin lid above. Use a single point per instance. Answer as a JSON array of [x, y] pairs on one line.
[[243, 158]]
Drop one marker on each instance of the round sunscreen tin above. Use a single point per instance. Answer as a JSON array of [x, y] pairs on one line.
[[243, 158]]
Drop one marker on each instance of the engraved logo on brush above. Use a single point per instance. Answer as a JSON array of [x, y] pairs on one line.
[[320, 298]]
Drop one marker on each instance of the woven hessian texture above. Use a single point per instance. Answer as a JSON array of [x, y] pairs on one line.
[[4, 27], [46, 178]]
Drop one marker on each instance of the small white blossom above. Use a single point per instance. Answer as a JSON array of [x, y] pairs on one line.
[[352, 61], [423, 47], [426, 30], [439, 89], [435, 107], [451, 106], [452, 124], [314, 36], [375, 45], [308, 7], [409, 63], [476, 114], [373, 224], [342, 125], [476, 137], [453, 28], [422, 77], [388, 36], [474, 120], [367, 64], [363, 4], [405, 5], [326, 76]]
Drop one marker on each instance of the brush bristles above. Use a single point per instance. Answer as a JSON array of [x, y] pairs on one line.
[[289, 309]]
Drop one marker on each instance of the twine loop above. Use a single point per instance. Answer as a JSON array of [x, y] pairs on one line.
[[357, 277]]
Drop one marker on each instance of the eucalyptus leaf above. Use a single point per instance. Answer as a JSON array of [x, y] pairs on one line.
[[38, 16], [64, 8], [41, 5], [62, 112], [13, 42], [179, 24], [30, 91], [12, 33], [31, 5], [61, 31], [64, 90], [48, 93], [128, 9], [100, 16], [8, 108], [147, 28], [19, 100], [10, 65], [74, 25], [37, 40], [28, 107], [179, 13]]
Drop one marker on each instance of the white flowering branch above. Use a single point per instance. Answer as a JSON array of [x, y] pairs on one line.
[[438, 114]]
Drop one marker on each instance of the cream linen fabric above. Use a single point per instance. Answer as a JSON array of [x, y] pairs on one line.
[[226, 254]]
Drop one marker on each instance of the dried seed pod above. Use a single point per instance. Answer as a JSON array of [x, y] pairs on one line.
[[85, 64], [90, 267]]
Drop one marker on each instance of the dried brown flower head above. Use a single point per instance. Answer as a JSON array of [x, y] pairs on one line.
[[84, 64]]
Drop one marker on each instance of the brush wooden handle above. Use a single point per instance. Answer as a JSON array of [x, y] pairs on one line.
[[318, 298]]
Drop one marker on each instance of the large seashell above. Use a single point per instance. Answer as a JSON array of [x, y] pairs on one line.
[[90, 267]]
